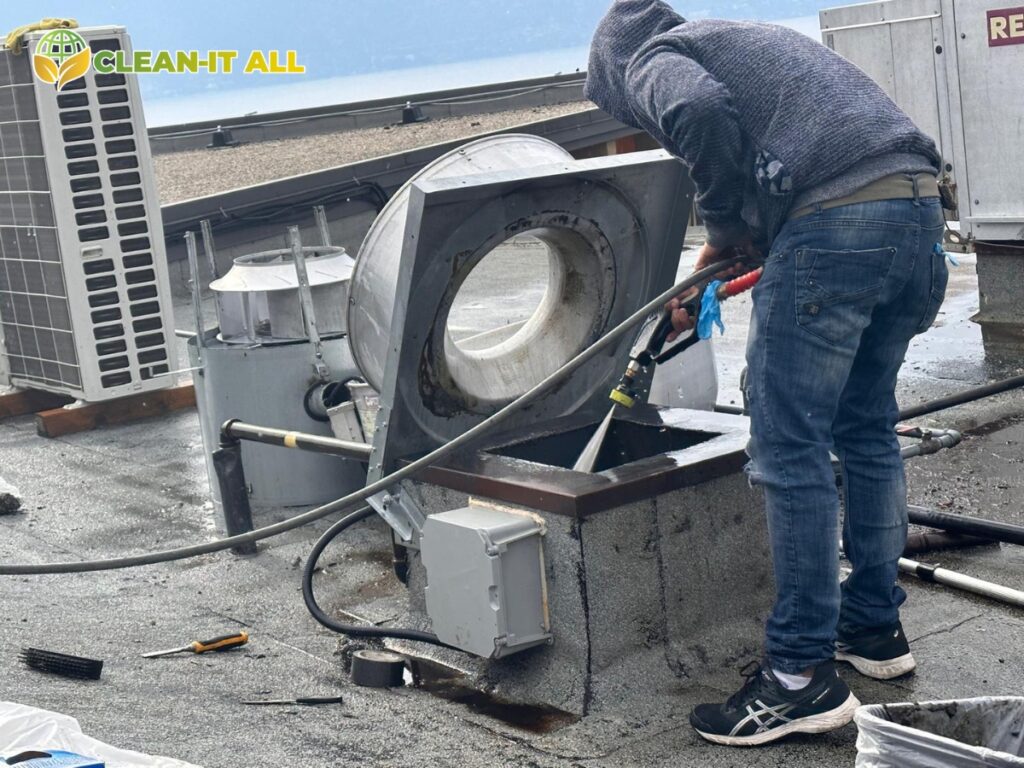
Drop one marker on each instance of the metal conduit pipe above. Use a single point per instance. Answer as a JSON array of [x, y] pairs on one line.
[[929, 541], [956, 580], [931, 406], [931, 441], [235, 430], [961, 581], [967, 396], [974, 526]]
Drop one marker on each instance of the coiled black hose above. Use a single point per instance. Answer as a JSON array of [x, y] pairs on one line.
[[353, 630]]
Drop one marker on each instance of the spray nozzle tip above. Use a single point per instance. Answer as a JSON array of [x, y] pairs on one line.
[[622, 398]]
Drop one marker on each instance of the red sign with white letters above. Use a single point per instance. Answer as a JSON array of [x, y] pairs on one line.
[[1006, 26]]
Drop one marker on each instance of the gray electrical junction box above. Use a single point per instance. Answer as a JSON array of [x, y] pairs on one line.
[[486, 590]]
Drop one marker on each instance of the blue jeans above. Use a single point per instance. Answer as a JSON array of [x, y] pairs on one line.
[[843, 292]]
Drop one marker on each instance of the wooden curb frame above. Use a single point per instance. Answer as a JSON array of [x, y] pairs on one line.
[[56, 422], [26, 401]]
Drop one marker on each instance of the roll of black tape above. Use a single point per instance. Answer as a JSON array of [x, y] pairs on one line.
[[377, 669]]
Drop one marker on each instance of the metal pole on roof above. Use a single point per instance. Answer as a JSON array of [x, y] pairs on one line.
[[197, 291], [209, 248], [306, 301], [320, 214]]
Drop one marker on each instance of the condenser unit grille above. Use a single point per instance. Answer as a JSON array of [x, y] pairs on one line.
[[92, 314], [34, 310]]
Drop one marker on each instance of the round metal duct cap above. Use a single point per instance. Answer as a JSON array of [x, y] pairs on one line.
[[275, 270], [258, 299], [497, 371]]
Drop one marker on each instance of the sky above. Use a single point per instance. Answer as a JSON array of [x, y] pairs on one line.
[[362, 48]]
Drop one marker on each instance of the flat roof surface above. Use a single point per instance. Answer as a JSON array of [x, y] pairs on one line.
[[143, 487], [196, 173]]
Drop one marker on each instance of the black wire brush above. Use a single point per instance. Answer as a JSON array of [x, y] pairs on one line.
[[61, 664]]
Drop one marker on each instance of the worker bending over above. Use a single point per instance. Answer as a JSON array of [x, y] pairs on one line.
[[797, 154]]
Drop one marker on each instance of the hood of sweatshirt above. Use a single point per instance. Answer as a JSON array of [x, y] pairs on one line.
[[624, 30]]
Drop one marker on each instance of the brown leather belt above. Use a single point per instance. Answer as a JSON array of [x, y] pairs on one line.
[[899, 186]]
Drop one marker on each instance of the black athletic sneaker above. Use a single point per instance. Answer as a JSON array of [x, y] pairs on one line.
[[878, 652], [763, 710]]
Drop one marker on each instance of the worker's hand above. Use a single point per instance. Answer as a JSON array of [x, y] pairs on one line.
[[681, 320], [709, 255]]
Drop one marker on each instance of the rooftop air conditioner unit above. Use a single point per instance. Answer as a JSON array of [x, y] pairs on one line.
[[957, 68], [85, 304]]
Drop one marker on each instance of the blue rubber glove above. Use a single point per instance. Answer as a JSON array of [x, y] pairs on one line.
[[710, 312], [938, 250]]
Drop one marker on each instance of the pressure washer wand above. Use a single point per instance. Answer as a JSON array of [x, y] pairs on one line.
[[625, 392], [649, 343], [647, 351], [653, 336]]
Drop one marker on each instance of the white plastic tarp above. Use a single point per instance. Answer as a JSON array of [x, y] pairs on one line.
[[24, 728]]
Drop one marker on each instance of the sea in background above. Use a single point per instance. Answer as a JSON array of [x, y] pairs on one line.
[[298, 91], [354, 50]]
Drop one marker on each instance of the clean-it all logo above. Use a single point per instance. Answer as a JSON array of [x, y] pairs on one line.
[[61, 56]]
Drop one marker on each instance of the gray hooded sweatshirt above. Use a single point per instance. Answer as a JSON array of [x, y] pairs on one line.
[[766, 119]]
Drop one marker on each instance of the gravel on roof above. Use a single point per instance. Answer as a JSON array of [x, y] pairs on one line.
[[195, 173]]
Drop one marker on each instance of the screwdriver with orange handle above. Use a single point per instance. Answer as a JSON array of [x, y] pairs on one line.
[[222, 643]]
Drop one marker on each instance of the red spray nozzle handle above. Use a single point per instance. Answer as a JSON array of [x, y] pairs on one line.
[[740, 284]]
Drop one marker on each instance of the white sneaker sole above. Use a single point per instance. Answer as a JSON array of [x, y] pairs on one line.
[[880, 670], [826, 721]]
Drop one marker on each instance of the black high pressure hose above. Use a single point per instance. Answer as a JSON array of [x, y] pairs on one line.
[[359, 496], [414, 467], [353, 630]]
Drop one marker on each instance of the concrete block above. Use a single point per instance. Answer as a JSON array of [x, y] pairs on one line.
[[717, 571], [672, 589], [1001, 299]]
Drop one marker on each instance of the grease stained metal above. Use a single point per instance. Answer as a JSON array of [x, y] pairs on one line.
[[582, 279], [653, 451], [624, 443]]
